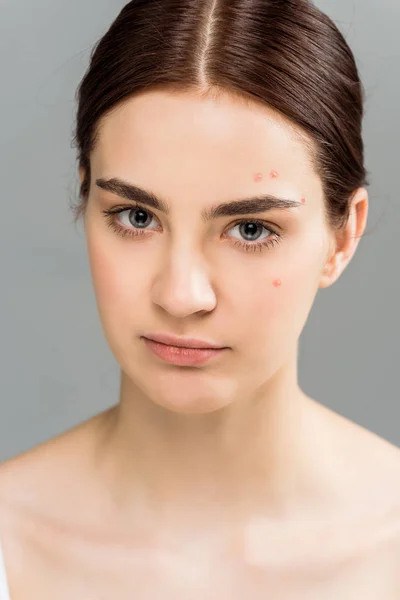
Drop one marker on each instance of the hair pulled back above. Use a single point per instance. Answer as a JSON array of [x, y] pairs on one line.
[[286, 54]]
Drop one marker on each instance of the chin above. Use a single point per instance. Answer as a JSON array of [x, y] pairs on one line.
[[194, 407], [191, 397]]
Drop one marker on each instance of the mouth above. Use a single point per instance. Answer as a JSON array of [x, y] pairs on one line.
[[183, 342], [182, 355]]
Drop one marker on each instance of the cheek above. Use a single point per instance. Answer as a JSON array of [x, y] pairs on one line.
[[280, 301], [106, 275], [116, 282]]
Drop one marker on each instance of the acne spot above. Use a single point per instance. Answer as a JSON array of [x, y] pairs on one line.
[[274, 174], [277, 282], [303, 200], [258, 177]]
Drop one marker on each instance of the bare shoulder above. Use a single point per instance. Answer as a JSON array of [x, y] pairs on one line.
[[364, 470], [360, 445], [369, 472], [39, 481]]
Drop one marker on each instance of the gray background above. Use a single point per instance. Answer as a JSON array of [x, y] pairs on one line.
[[56, 367]]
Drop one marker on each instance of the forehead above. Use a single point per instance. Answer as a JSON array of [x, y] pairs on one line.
[[210, 140]]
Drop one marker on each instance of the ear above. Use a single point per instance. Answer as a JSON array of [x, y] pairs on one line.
[[82, 174], [344, 243]]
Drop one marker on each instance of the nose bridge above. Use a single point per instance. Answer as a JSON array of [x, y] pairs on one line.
[[182, 283]]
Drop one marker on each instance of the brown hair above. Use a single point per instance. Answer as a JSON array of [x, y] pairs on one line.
[[286, 54]]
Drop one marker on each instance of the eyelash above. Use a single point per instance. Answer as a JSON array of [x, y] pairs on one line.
[[247, 246]]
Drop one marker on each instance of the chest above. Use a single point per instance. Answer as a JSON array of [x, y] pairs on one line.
[[373, 576]]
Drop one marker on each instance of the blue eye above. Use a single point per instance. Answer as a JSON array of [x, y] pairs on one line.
[[145, 217], [255, 246]]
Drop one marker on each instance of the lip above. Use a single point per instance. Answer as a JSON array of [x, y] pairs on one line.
[[182, 342], [182, 356]]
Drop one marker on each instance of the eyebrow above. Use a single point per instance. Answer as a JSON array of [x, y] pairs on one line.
[[244, 206]]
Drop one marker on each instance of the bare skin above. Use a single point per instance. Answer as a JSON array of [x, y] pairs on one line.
[[63, 536], [223, 480]]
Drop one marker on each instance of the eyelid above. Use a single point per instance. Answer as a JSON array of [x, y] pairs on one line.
[[255, 218]]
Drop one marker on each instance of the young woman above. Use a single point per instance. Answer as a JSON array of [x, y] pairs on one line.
[[222, 185]]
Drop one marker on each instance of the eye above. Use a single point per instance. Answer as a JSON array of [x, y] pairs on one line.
[[249, 228], [137, 217], [140, 219]]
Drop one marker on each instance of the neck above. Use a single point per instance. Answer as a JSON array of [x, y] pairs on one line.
[[251, 457]]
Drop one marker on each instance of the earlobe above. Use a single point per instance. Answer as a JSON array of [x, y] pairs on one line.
[[347, 240], [332, 270], [82, 174], [345, 247]]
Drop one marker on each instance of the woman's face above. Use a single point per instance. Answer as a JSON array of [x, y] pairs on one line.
[[183, 275]]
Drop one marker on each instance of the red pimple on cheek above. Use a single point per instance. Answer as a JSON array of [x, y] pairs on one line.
[[277, 282], [258, 177], [303, 200], [274, 174]]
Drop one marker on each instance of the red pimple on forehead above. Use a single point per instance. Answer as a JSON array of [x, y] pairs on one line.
[[258, 177], [277, 282], [274, 174]]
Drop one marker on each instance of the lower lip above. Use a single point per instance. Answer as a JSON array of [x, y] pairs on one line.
[[184, 357]]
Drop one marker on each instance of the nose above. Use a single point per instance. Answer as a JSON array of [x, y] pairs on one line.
[[182, 287]]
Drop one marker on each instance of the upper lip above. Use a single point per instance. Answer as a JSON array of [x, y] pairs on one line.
[[182, 342]]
